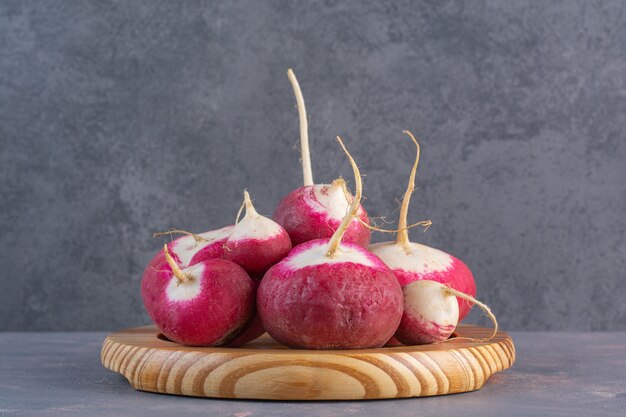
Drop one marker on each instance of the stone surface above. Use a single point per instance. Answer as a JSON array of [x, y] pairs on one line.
[[119, 119], [556, 374]]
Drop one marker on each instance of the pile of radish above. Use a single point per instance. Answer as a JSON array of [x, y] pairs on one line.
[[308, 275]]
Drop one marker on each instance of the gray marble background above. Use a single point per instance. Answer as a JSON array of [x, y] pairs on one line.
[[121, 118]]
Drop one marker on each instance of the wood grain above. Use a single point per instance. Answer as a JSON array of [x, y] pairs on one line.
[[264, 369]]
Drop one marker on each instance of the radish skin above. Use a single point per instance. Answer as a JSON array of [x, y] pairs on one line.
[[254, 329]]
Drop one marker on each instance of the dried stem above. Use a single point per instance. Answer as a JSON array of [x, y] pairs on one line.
[[335, 240], [307, 173], [403, 234], [181, 277], [250, 210]]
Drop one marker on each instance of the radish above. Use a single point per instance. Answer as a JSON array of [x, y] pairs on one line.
[[186, 251], [254, 329], [315, 211], [206, 304], [194, 248], [412, 261], [431, 313], [329, 294], [256, 242]]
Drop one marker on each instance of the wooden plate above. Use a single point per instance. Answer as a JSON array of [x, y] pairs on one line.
[[264, 369]]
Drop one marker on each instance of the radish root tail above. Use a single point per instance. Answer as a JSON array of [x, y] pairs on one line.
[[241, 207], [307, 173], [181, 277], [403, 234], [170, 232], [335, 240], [425, 223], [484, 307]]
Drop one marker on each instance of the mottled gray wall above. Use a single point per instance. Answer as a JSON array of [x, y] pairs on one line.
[[121, 118]]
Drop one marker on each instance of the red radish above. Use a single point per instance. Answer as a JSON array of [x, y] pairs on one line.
[[256, 242], [431, 313], [255, 328], [315, 211], [412, 261], [193, 248], [329, 294], [186, 251], [393, 342], [206, 304], [253, 331]]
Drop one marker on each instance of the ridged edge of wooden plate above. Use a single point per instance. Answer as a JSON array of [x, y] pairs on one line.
[[264, 369]]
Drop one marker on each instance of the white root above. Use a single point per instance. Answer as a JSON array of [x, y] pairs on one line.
[[170, 232], [484, 307], [307, 172], [403, 234]]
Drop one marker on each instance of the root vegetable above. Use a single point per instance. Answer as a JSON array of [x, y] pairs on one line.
[[186, 251], [256, 242], [206, 304], [330, 294], [315, 211], [431, 313], [412, 261], [193, 248], [254, 329]]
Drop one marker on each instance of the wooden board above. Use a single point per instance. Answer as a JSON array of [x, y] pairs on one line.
[[264, 369]]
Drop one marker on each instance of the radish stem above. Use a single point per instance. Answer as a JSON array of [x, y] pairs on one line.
[[335, 240], [249, 207], [181, 277], [403, 234], [307, 173]]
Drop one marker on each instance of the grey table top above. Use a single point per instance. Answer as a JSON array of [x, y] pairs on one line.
[[556, 374]]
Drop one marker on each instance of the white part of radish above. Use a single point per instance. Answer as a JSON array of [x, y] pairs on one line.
[[427, 301], [316, 255], [421, 259], [328, 199], [255, 227], [186, 247], [188, 290]]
